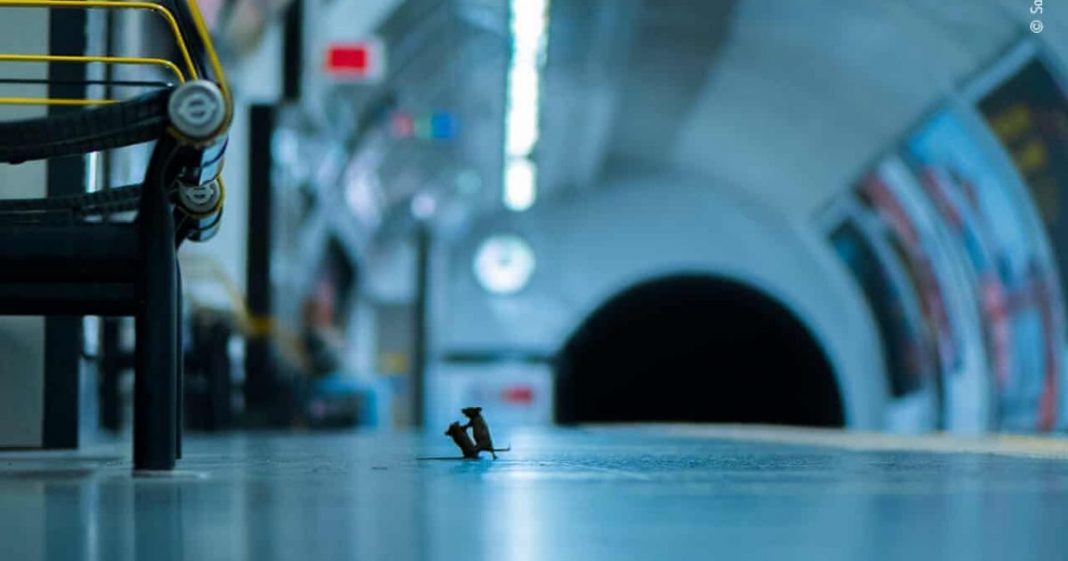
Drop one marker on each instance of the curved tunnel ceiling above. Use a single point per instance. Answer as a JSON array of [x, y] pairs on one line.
[[786, 100], [673, 49], [806, 94], [621, 79]]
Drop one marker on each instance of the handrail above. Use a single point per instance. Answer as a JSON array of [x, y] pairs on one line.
[[166, 14], [162, 11], [213, 57], [170, 66], [6, 57], [180, 40]]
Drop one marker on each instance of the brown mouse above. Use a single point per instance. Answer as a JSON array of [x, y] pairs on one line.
[[459, 436], [481, 432]]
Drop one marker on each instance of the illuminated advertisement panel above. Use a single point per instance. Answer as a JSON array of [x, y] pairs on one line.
[[894, 306], [1029, 114], [986, 211], [913, 274], [1027, 109], [880, 195]]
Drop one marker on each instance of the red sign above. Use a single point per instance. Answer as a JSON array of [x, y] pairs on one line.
[[518, 394], [359, 60]]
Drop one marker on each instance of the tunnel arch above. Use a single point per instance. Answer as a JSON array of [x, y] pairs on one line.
[[695, 348]]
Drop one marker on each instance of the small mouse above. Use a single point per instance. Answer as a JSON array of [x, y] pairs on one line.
[[481, 432], [459, 436]]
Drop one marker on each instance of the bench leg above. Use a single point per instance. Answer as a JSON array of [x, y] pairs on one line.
[[156, 370], [179, 412]]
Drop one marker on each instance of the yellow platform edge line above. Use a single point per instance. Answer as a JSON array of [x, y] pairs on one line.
[[999, 444]]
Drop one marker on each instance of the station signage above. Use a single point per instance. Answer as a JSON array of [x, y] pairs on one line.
[[355, 61]]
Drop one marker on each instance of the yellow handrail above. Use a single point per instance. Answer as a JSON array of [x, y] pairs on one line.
[[5, 57], [213, 57], [172, 23], [112, 4], [162, 11], [75, 102]]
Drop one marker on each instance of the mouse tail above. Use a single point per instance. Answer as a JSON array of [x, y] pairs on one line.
[[508, 449]]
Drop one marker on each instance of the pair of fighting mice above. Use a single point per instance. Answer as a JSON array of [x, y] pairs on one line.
[[483, 442]]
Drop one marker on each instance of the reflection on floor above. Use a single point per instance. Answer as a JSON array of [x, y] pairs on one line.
[[583, 494]]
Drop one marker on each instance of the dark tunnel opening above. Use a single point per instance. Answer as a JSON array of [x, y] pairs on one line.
[[695, 349]]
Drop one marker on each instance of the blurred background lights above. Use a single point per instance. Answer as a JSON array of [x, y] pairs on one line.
[[529, 23], [521, 178], [423, 206], [504, 264]]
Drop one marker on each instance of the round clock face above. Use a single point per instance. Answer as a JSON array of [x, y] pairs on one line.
[[504, 264]]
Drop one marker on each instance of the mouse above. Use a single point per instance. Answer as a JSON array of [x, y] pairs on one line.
[[481, 432], [462, 440]]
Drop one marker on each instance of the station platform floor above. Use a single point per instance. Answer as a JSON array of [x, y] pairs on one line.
[[632, 492]]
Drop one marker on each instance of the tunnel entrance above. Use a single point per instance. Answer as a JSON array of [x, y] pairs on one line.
[[695, 349]]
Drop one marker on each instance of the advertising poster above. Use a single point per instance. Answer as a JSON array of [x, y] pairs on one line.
[[907, 347], [881, 197], [896, 244], [1028, 112], [1029, 115], [986, 211]]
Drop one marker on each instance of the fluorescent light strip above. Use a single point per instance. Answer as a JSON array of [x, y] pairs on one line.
[[529, 24]]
